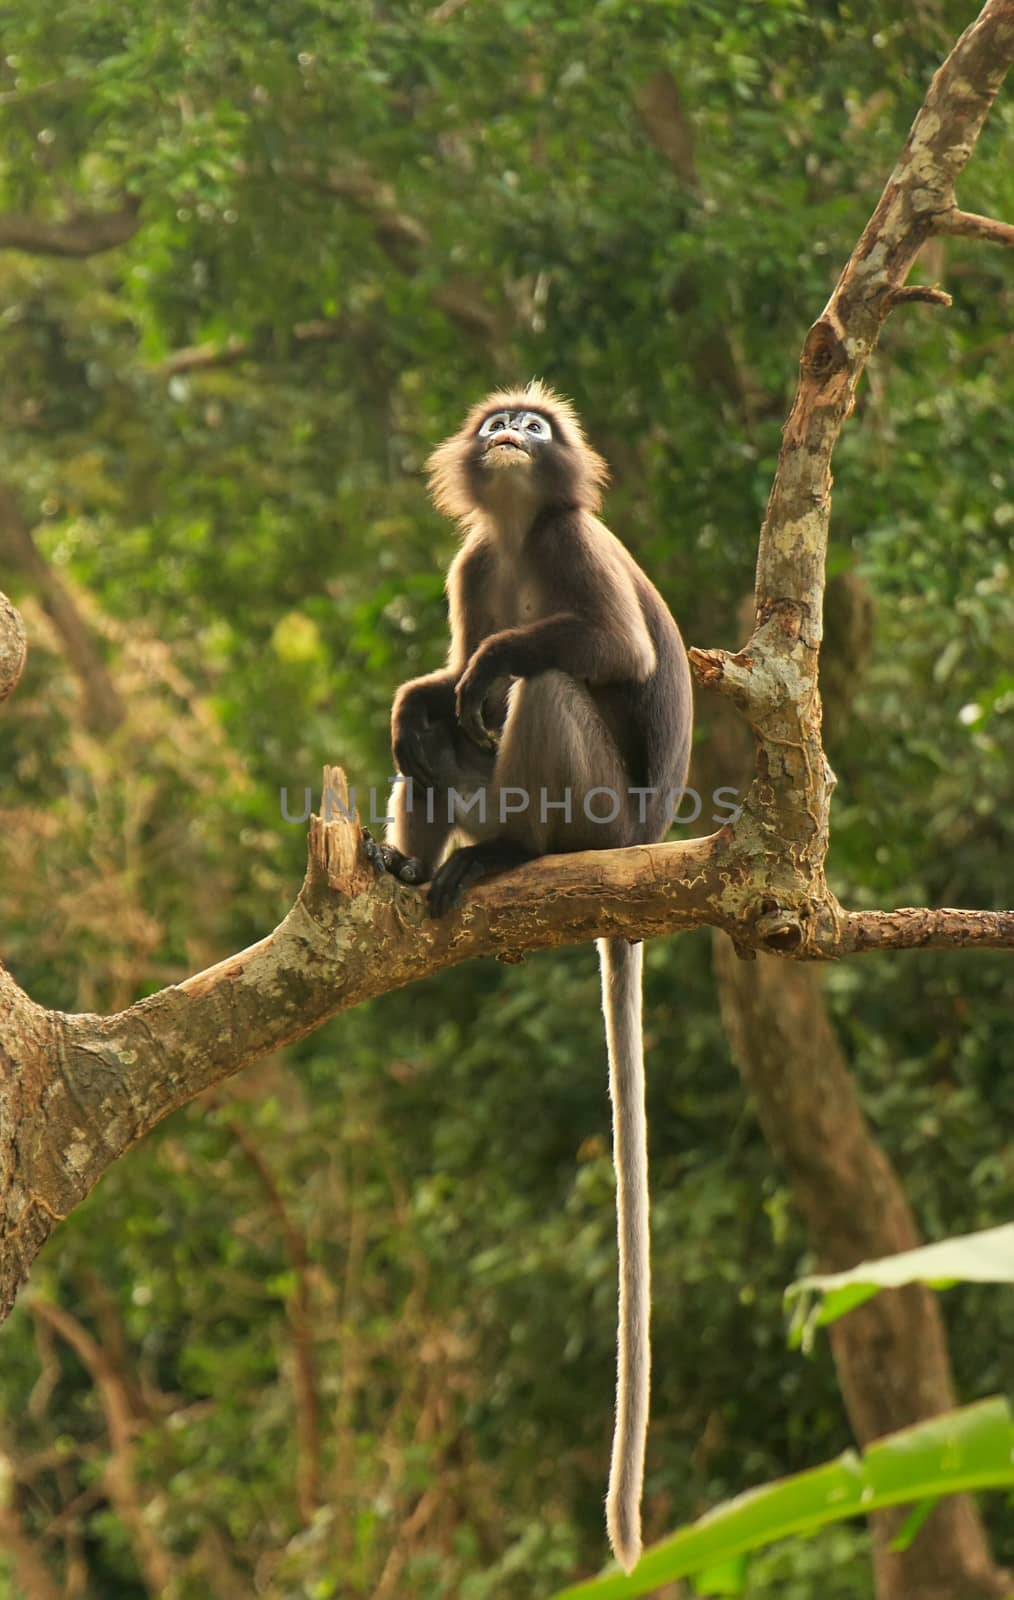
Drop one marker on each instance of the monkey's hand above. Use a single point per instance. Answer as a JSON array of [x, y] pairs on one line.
[[469, 697], [420, 724], [411, 755]]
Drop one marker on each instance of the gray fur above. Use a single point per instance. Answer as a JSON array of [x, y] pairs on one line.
[[621, 1003]]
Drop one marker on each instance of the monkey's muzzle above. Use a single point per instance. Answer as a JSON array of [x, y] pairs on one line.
[[509, 442]]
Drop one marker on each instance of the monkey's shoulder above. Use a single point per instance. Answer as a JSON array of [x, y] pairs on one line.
[[577, 552]]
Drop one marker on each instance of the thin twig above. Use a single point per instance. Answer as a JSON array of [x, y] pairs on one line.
[[300, 1319]]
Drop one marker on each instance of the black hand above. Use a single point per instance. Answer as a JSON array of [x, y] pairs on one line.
[[469, 696], [413, 744]]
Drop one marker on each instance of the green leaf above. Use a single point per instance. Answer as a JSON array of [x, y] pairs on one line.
[[984, 1257], [962, 1450], [912, 1523], [725, 1577]]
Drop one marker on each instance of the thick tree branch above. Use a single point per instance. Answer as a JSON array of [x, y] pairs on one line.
[[774, 679], [854, 1207], [85, 234], [83, 1089]]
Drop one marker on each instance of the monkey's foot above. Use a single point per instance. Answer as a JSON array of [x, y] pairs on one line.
[[467, 866], [385, 858]]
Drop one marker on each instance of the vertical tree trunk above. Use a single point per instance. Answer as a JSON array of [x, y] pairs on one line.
[[891, 1353]]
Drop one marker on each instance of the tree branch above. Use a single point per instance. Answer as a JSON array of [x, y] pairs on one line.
[[84, 234], [78, 1100], [774, 679], [855, 1208], [230, 352], [13, 648], [966, 224], [152, 1557], [660, 107], [104, 709], [35, 1578], [307, 1406], [403, 240], [911, 928]]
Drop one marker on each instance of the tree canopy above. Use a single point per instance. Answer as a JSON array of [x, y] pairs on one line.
[[344, 1325]]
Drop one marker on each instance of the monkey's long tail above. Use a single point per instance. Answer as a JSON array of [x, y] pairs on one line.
[[621, 1003]]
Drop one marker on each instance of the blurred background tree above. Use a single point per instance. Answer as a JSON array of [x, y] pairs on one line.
[[347, 1329]]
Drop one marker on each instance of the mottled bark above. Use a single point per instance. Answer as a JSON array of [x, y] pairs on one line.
[[892, 1360], [13, 647], [103, 707]]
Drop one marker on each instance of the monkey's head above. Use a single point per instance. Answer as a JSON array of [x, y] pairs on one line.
[[517, 444]]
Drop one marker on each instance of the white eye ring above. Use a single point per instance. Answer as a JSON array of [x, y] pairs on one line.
[[527, 421], [494, 424]]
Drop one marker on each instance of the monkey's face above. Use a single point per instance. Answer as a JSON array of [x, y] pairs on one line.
[[515, 452], [519, 450], [512, 439]]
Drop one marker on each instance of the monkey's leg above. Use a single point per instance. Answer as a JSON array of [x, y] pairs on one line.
[[417, 833], [469, 865], [425, 813], [554, 751], [559, 750]]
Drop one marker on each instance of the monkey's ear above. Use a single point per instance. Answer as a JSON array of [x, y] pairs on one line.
[[447, 472], [590, 472], [591, 475]]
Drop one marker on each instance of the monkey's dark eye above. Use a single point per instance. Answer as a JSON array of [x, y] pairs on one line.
[[494, 424], [537, 426]]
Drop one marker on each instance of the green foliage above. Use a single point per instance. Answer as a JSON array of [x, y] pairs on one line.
[[985, 1257], [967, 1449], [361, 215]]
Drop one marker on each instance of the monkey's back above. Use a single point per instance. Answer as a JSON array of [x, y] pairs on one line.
[[652, 721]]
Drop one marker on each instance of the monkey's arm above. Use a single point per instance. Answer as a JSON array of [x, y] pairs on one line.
[[421, 707], [423, 715], [591, 647], [598, 633]]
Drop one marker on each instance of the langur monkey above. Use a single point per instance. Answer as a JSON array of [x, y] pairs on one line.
[[561, 722]]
